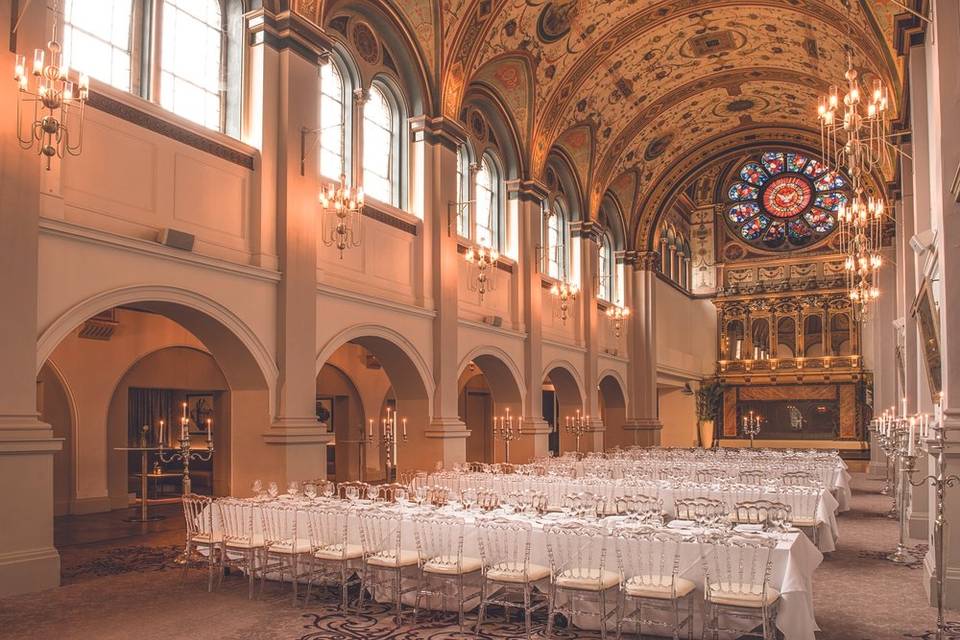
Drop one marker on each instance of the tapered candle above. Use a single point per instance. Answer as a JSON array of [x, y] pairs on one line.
[[209, 422], [404, 427], [184, 410], [160, 435], [370, 429], [913, 427]]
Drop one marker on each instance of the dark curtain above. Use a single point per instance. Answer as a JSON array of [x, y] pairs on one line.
[[148, 407]]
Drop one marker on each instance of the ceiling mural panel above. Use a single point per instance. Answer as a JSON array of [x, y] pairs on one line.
[[578, 144], [420, 16], [510, 79]]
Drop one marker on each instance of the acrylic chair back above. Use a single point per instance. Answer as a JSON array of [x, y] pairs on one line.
[[578, 552], [737, 565], [440, 541], [763, 512], [198, 514], [649, 558], [242, 521], [797, 478], [804, 501], [279, 525], [751, 476], [699, 508], [328, 531], [505, 546], [380, 533]]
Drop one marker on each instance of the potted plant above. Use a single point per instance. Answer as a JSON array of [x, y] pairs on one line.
[[709, 399]]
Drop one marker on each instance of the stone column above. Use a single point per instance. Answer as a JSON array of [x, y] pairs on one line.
[[28, 559], [643, 418], [942, 50], [294, 429], [440, 139], [590, 238], [536, 432]]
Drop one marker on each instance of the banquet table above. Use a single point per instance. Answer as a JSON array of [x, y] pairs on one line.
[[557, 487], [794, 558]]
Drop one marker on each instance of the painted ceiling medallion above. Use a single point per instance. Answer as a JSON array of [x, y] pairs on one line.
[[366, 43], [555, 20], [784, 201]]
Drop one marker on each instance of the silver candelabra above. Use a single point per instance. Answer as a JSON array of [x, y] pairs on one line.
[[751, 425], [578, 425], [503, 428], [390, 438], [939, 480], [185, 454]]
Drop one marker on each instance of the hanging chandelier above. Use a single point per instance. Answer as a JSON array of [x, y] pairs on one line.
[[565, 293], [51, 129], [617, 315], [484, 261], [342, 211], [853, 136]]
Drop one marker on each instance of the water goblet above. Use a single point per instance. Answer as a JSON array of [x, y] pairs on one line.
[[310, 490], [352, 493], [257, 488], [329, 489], [421, 495], [273, 490], [372, 493], [293, 488]]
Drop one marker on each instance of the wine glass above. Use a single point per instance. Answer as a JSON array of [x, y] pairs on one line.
[[469, 498], [293, 488], [372, 493], [257, 488], [401, 497], [273, 490], [310, 490], [421, 495], [329, 489], [352, 493]]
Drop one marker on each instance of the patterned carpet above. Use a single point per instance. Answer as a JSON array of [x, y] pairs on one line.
[[138, 591]]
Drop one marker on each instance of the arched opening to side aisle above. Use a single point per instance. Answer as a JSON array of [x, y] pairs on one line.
[[563, 409], [490, 405]]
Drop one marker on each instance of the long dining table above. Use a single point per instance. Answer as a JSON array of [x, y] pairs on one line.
[[794, 557]]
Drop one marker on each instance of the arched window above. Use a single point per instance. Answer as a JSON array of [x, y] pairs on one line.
[[191, 61], [463, 192], [97, 39], [333, 122], [605, 270], [182, 55], [555, 243], [380, 137], [487, 196]]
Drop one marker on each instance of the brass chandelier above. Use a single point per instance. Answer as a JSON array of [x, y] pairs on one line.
[[52, 129], [853, 136], [342, 215]]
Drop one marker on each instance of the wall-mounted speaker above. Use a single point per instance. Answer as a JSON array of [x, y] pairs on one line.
[[176, 239], [493, 321]]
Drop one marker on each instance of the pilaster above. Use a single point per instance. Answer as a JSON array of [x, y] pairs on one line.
[[643, 419]]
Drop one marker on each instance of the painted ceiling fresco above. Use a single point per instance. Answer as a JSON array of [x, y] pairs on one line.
[[626, 89]]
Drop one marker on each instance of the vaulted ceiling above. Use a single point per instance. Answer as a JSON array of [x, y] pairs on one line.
[[628, 89]]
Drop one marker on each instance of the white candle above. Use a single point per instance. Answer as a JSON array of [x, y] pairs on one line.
[[184, 410], [209, 422], [370, 429], [160, 436], [404, 427], [904, 407], [913, 428]]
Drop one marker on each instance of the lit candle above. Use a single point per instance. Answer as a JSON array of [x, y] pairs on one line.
[[37, 61], [904, 407], [209, 422], [160, 435], [370, 429], [404, 427], [184, 407], [183, 428]]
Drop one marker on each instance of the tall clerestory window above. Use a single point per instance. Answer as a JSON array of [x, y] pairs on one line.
[[333, 122], [605, 269], [487, 208], [380, 136], [97, 39], [555, 241]]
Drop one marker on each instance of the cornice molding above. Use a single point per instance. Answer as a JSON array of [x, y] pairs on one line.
[[288, 30], [909, 30], [446, 131], [643, 260]]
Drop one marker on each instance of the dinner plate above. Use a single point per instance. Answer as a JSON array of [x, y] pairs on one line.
[[681, 524]]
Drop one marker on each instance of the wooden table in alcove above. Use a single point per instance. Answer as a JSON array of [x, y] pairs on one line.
[[144, 465]]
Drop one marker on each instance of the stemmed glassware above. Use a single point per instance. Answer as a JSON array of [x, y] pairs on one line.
[[468, 497], [310, 490], [257, 488], [329, 489], [372, 493], [293, 488], [273, 490]]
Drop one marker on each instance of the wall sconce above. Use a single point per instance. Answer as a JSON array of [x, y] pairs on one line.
[[565, 293], [482, 260], [617, 315], [342, 210]]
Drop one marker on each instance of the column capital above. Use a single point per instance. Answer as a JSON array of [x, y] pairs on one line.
[[526, 190], [588, 230], [643, 260], [288, 30]]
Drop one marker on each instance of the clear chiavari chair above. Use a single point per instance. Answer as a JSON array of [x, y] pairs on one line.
[[579, 569], [762, 512], [284, 544], [804, 503], [700, 510], [243, 542], [346, 489], [709, 475], [737, 583], [391, 492], [331, 550], [797, 478], [441, 561], [650, 571], [198, 511], [646, 509], [384, 559], [508, 575], [751, 476]]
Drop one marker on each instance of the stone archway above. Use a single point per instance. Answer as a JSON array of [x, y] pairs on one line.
[[490, 386], [568, 398], [613, 410]]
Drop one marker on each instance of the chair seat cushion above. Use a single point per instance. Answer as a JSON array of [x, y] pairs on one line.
[[659, 587], [254, 542], [743, 596], [448, 565], [300, 545], [339, 552], [207, 538], [804, 522], [587, 579], [513, 572], [390, 559]]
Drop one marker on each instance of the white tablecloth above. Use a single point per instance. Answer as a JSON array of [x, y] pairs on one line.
[[794, 560]]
